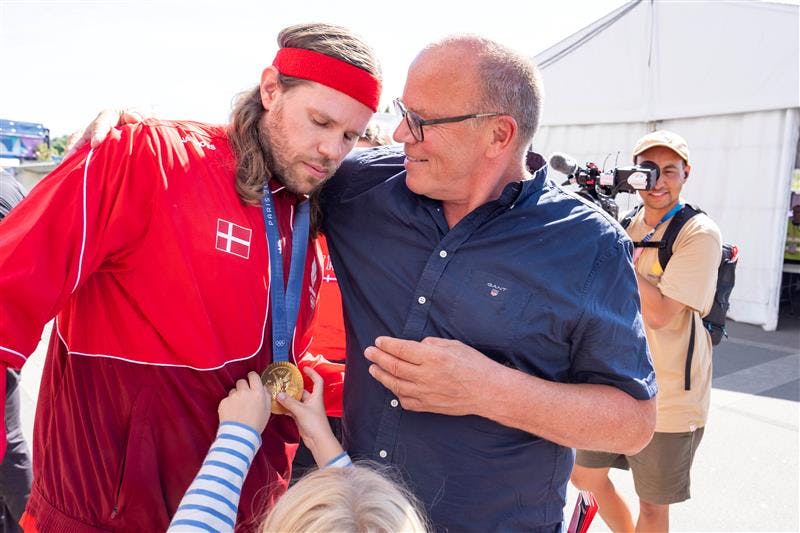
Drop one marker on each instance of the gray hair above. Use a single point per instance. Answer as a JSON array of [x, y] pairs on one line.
[[508, 81]]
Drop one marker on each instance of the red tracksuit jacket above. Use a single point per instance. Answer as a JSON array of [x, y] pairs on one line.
[[158, 275]]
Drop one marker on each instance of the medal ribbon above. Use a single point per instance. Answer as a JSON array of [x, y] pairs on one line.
[[285, 304], [638, 251]]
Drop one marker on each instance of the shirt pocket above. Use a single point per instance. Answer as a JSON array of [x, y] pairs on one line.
[[488, 311]]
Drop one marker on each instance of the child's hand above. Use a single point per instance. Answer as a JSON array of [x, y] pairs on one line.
[[309, 414], [248, 403]]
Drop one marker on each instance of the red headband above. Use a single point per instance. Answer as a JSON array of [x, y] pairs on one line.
[[336, 74]]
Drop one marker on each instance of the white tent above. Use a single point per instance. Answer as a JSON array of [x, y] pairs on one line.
[[722, 74]]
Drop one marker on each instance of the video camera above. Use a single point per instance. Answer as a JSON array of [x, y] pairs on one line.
[[600, 187]]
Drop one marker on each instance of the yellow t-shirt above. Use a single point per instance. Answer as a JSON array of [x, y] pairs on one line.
[[690, 278]]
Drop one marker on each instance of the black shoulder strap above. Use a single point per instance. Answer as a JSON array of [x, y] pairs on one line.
[[626, 220], [687, 371], [672, 231]]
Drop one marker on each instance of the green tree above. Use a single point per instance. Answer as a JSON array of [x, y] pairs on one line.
[[59, 145], [57, 148], [43, 152]]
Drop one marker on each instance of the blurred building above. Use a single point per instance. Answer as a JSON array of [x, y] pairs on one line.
[[19, 142]]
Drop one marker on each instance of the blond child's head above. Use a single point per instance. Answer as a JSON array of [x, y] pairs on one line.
[[355, 499]]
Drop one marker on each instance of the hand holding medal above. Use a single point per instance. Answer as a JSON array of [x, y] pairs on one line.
[[279, 377], [309, 415], [247, 403]]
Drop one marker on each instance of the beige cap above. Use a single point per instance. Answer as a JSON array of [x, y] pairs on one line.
[[665, 138]]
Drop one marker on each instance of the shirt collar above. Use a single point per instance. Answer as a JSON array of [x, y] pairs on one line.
[[511, 194], [519, 190]]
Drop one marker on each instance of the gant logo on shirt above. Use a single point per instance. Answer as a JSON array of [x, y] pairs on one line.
[[233, 239], [494, 290]]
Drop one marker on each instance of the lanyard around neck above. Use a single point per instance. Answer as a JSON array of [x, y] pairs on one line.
[[671, 213], [285, 304]]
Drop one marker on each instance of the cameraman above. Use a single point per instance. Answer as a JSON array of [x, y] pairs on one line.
[[670, 298]]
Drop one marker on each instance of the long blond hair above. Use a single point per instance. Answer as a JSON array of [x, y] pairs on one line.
[[253, 159], [355, 499]]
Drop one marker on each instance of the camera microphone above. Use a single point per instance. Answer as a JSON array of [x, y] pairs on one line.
[[563, 163], [622, 179]]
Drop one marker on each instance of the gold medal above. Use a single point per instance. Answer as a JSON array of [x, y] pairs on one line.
[[282, 376]]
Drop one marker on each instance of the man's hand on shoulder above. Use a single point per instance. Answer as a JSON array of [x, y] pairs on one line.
[[103, 123]]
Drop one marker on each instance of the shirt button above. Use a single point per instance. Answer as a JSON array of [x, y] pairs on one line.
[[422, 300], [394, 403], [443, 254], [383, 454]]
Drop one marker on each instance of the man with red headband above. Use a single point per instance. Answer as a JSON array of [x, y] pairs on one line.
[[163, 255]]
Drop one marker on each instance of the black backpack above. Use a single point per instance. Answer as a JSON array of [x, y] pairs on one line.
[[714, 321]]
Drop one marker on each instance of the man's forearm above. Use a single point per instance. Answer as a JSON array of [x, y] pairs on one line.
[[597, 417], [657, 310], [576, 415]]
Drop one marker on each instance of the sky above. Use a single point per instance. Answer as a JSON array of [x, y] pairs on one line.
[[63, 61]]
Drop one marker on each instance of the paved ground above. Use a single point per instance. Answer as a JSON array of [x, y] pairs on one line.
[[746, 471]]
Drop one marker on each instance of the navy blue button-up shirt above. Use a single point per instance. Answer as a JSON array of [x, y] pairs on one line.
[[536, 280]]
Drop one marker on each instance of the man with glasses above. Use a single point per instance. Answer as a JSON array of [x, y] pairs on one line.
[[492, 319], [497, 314]]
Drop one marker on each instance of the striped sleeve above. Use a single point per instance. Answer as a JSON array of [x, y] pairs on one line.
[[212, 500], [340, 461]]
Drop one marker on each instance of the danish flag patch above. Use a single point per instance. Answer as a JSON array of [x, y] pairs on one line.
[[233, 239]]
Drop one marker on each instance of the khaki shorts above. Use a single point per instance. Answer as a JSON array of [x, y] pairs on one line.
[[660, 470]]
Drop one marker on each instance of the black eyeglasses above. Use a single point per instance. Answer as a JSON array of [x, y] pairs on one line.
[[415, 122]]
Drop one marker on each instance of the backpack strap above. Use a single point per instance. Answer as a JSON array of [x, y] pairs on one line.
[[626, 220], [664, 255], [672, 231], [650, 244], [687, 372]]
